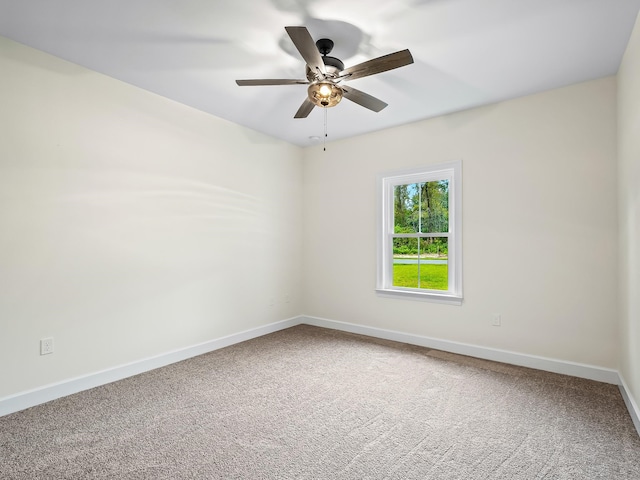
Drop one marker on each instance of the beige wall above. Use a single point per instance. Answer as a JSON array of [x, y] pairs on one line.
[[629, 208], [131, 225], [539, 225]]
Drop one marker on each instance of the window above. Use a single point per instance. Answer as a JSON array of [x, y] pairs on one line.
[[419, 233]]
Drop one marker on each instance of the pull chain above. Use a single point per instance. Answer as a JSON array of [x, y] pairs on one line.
[[324, 144]]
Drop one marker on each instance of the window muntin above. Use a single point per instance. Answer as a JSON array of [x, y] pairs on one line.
[[419, 246]]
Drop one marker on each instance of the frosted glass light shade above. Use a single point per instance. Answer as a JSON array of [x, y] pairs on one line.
[[325, 94]]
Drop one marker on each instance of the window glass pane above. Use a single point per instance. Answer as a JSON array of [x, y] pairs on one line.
[[421, 263], [434, 206], [406, 208], [405, 262]]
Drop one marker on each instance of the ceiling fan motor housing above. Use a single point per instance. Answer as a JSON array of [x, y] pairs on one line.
[[333, 62], [333, 65]]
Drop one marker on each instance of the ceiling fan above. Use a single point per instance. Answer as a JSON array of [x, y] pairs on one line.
[[326, 75]]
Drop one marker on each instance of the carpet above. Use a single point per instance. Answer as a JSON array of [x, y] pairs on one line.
[[313, 403]]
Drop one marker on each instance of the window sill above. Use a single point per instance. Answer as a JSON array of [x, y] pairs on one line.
[[423, 296]]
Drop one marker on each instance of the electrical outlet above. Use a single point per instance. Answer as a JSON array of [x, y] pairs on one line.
[[46, 346], [497, 320]]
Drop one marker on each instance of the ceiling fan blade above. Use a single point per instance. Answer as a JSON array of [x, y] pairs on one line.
[[301, 38], [305, 109], [271, 81], [364, 99], [377, 65]]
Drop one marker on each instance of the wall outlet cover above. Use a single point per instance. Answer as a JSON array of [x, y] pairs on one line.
[[46, 346]]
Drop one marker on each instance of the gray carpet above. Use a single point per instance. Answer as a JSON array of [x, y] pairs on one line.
[[310, 403]]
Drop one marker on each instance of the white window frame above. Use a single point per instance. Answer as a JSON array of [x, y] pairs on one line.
[[386, 182]]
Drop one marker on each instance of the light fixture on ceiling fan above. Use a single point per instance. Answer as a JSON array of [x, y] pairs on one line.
[[325, 92], [326, 75]]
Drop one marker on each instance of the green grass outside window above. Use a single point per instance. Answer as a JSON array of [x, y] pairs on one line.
[[432, 277]]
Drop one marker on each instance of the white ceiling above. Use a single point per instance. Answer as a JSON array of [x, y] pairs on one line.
[[467, 52]]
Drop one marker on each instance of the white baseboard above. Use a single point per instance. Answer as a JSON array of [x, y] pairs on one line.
[[564, 367], [47, 393], [22, 400], [590, 372], [631, 404]]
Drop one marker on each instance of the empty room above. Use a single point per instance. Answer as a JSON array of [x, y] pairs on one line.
[[304, 239]]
